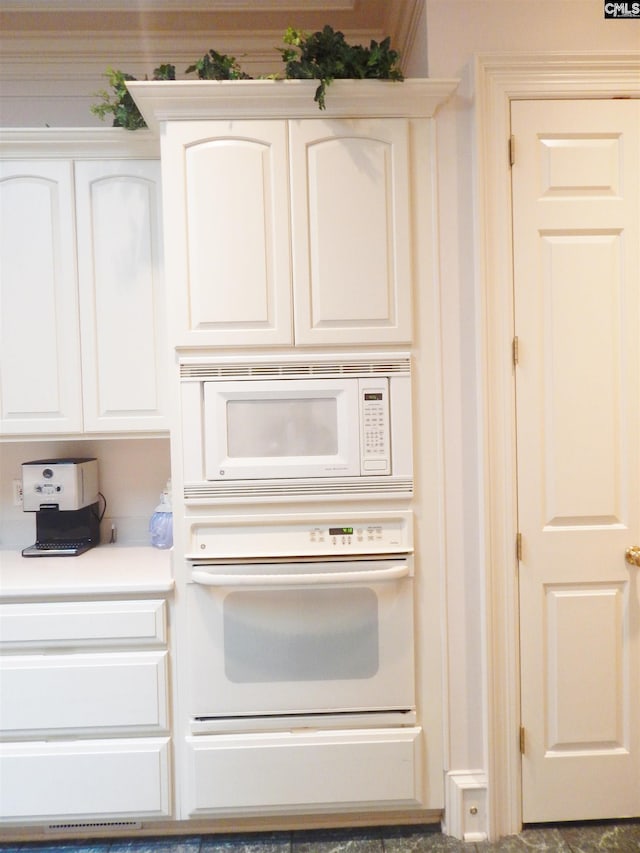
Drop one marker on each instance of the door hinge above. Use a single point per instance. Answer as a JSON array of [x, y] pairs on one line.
[[519, 546], [515, 349], [512, 150], [522, 740]]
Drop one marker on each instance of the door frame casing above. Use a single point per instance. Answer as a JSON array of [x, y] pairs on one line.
[[500, 79]]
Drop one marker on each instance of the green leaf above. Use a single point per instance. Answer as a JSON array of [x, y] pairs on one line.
[[325, 55], [118, 102]]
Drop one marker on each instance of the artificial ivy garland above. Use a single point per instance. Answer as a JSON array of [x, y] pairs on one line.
[[324, 55]]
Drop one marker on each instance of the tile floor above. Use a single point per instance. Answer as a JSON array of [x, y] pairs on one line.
[[566, 838]]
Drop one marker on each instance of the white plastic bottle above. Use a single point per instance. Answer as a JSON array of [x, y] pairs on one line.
[[161, 523]]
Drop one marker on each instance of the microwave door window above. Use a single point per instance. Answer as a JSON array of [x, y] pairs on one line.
[[282, 428]]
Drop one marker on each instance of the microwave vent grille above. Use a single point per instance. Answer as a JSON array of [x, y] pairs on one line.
[[296, 369], [370, 488]]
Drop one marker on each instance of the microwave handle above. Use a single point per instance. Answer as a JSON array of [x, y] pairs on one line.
[[392, 573]]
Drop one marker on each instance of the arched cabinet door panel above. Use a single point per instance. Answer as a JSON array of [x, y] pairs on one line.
[[351, 231], [122, 302], [227, 225], [39, 332]]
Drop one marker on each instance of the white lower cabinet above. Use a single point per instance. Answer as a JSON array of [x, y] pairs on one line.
[[85, 779], [92, 678], [337, 770], [95, 691]]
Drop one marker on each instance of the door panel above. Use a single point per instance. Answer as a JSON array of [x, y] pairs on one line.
[[576, 211]]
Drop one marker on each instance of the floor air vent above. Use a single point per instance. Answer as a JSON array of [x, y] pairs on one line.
[[94, 825]]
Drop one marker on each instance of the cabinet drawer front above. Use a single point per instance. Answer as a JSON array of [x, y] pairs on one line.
[[99, 692], [85, 779], [85, 623], [258, 773]]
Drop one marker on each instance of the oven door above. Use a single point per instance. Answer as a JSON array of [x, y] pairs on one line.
[[301, 638]]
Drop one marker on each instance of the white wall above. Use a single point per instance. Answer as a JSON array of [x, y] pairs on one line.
[[456, 31]]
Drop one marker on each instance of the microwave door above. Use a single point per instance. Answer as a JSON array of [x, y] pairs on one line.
[[281, 429]]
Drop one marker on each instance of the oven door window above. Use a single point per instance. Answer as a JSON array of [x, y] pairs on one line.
[[300, 635]]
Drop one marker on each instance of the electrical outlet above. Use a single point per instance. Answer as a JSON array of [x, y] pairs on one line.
[[17, 492]]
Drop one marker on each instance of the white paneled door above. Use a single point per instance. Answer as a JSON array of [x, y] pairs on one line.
[[576, 211]]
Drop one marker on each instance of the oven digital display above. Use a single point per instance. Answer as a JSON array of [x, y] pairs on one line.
[[340, 531]]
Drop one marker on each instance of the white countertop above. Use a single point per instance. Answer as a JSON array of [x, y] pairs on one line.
[[111, 569]]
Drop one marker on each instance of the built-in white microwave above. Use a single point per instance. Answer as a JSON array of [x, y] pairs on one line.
[[291, 427]]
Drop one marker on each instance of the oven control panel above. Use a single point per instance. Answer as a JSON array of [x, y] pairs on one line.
[[301, 536], [346, 537]]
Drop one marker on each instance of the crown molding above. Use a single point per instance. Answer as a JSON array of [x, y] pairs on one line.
[[178, 5], [78, 143], [192, 100], [401, 24], [71, 55]]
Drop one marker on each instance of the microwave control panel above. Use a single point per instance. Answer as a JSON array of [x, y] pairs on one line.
[[375, 456], [267, 537]]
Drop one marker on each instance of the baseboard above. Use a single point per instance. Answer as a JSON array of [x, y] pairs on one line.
[[466, 805], [72, 831]]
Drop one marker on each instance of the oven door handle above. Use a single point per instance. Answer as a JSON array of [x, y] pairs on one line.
[[392, 573]]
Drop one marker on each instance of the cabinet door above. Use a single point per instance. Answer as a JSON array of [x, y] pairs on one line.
[[124, 353], [40, 389], [227, 232], [351, 231]]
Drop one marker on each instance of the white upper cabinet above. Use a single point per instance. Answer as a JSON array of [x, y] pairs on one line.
[[122, 311], [351, 231], [39, 333], [227, 232], [287, 226], [283, 233], [82, 314]]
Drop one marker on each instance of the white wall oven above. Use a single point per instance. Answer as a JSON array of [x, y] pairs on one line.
[[321, 627], [299, 663], [321, 426]]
